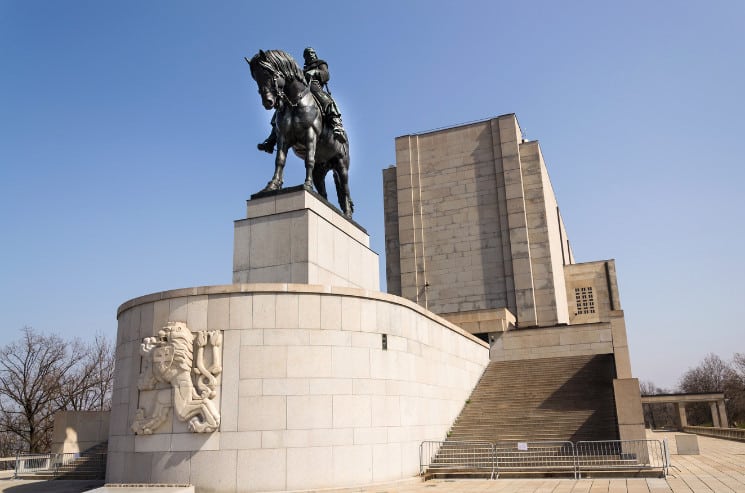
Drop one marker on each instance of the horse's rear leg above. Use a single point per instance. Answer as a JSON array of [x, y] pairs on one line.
[[341, 180], [339, 190], [319, 180]]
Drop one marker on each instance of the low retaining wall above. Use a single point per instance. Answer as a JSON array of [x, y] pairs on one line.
[[737, 434], [551, 342], [77, 431], [308, 396]]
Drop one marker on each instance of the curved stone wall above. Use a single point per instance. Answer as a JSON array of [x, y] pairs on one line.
[[308, 397]]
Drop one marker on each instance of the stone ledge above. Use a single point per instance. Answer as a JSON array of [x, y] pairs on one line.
[[299, 188], [144, 488], [294, 289]]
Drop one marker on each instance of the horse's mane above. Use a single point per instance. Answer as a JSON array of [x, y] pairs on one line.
[[278, 61]]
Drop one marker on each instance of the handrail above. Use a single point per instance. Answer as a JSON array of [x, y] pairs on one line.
[[458, 457], [621, 455], [536, 455], [466, 455], [59, 464]]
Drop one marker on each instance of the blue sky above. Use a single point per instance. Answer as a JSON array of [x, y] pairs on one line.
[[128, 133]]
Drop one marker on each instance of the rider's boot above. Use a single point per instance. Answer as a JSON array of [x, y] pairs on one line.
[[269, 143], [334, 118], [338, 129]]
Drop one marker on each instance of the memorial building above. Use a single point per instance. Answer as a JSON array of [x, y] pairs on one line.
[[474, 234]]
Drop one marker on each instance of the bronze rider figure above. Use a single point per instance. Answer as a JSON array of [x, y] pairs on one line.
[[317, 75]]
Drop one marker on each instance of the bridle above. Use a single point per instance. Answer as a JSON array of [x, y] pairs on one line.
[[281, 93]]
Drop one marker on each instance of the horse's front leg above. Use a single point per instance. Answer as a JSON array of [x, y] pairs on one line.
[[310, 158], [279, 165]]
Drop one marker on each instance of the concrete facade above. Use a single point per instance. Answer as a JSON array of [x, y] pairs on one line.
[[320, 385], [472, 224], [308, 399], [474, 233]]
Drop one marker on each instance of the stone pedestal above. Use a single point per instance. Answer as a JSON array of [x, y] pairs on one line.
[[295, 236], [686, 444]]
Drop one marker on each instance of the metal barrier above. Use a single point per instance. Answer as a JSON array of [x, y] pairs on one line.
[[469, 458], [32, 463], [89, 465], [544, 457], [7, 467], [547, 457], [621, 455], [737, 434]]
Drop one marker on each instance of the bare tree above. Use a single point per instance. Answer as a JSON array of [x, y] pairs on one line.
[[737, 391], [714, 374], [90, 384], [9, 445], [738, 363], [648, 387], [43, 374], [711, 375], [656, 416], [33, 373]]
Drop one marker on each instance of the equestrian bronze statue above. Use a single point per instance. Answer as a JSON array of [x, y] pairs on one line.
[[306, 119]]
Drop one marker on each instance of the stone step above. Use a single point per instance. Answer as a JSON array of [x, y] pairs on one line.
[[546, 399]]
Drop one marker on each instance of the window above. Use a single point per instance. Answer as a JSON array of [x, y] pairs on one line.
[[585, 301]]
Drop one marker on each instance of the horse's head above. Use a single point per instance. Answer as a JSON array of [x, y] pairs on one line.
[[266, 78], [271, 70]]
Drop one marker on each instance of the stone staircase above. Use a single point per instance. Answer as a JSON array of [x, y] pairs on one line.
[[90, 464], [537, 401], [551, 399]]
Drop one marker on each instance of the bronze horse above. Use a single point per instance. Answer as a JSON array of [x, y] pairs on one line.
[[299, 125]]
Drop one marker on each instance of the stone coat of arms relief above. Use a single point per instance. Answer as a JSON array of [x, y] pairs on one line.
[[188, 362]]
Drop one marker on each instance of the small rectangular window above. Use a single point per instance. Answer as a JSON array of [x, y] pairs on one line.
[[385, 342], [585, 301]]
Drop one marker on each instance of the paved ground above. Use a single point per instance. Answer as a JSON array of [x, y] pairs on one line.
[[719, 468], [28, 486]]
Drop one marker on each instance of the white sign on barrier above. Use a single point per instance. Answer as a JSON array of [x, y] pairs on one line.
[[522, 446]]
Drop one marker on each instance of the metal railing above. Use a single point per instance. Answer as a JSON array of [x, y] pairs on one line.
[[7, 467], [57, 465], [454, 457], [622, 455], [546, 457], [543, 456], [32, 463], [726, 433]]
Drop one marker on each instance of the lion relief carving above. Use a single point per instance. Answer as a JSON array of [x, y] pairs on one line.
[[182, 367]]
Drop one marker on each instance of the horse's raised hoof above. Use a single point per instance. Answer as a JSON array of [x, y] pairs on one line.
[[272, 186]]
